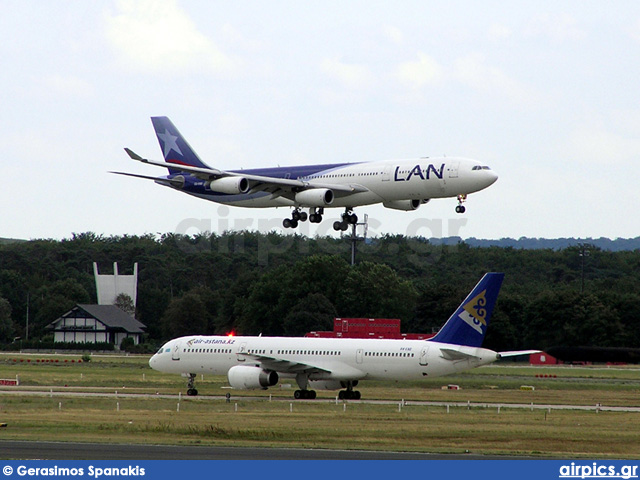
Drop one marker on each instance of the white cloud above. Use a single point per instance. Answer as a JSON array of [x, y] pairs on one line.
[[158, 36], [557, 27], [424, 71], [595, 144], [394, 34], [351, 75], [499, 32], [68, 86], [474, 72]]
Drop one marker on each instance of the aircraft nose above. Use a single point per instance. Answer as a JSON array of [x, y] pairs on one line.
[[491, 177], [153, 360]]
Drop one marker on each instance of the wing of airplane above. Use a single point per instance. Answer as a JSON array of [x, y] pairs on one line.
[[256, 182], [283, 366], [279, 365], [167, 181]]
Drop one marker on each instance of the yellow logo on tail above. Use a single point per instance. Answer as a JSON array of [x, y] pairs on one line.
[[474, 312]]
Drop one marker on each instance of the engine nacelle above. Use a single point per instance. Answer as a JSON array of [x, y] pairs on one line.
[[245, 377], [231, 185], [316, 197], [405, 205]]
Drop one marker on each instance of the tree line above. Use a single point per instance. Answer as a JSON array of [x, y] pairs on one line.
[[272, 284]]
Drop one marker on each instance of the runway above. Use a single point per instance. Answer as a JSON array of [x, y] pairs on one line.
[[23, 450]]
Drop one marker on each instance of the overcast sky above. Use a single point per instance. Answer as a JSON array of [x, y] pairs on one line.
[[547, 93]]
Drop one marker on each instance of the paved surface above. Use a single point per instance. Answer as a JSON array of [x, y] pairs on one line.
[[121, 394], [20, 450]]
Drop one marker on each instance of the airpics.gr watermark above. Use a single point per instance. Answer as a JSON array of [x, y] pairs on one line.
[[595, 470], [275, 240]]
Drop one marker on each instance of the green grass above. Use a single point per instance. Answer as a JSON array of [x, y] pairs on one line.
[[205, 421]]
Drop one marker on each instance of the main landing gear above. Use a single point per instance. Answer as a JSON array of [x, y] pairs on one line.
[[349, 393], [191, 390], [461, 199], [315, 216], [348, 218], [304, 393]]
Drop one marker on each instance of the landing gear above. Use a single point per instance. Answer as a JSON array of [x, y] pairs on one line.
[[191, 390], [349, 393], [461, 199], [298, 215], [315, 215], [304, 394], [348, 218]]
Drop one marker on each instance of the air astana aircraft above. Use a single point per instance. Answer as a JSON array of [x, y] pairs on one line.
[[397, 184], [335, 363]]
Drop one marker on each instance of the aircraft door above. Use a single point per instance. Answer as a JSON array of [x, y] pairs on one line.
[[175, 353], [452, 168], [241, 349], [359, 355], [386, 173], [424, 357]]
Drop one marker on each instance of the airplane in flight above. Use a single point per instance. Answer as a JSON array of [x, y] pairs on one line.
[[335, 363], [397, 184]]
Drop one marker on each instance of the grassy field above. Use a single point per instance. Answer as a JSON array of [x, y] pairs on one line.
[[154, 419]]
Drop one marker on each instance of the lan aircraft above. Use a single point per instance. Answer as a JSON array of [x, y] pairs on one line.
[[397, 184], [334, 363]]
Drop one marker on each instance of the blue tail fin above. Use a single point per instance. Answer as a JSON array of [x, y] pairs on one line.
[[175, 148], [468, 325]]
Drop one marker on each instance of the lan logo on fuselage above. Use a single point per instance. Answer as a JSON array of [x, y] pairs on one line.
[[474, 312]]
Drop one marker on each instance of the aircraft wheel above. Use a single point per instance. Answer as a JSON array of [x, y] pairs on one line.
[[341, 394], [312, 395], [192, 392], [286, 223], [460, 209], [297, 394], [344, 226], [295, 215], [352, 219], [294, 223], [356, 395], [303, 216], [337, 226]]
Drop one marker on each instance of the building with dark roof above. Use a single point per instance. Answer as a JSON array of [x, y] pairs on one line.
[[96, 323]]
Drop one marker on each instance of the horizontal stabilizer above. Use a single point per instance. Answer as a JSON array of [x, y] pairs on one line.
[[515, 353], [452, 354]]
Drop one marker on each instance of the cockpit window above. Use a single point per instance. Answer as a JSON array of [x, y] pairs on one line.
[[161, 350], [478, 167]]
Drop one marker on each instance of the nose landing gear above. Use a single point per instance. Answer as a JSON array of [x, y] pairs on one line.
[[191, 390], [461, 199]]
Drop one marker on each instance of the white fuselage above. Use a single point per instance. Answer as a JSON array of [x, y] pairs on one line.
[[334, 359], [383, 181]]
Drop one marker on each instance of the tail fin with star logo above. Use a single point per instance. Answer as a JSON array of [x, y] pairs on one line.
[[175, 148], [468, 325]]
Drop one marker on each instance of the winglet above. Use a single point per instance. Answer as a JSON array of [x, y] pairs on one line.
[[133, 155]]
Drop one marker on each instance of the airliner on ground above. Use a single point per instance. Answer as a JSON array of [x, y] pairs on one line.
[[397, 184], [334, 363]]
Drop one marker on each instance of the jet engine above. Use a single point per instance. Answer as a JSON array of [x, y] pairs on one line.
[[405, 205], [245, 377], [316, 197], [231, 185]]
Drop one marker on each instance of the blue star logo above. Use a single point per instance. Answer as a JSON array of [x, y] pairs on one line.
[[169, 142]]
